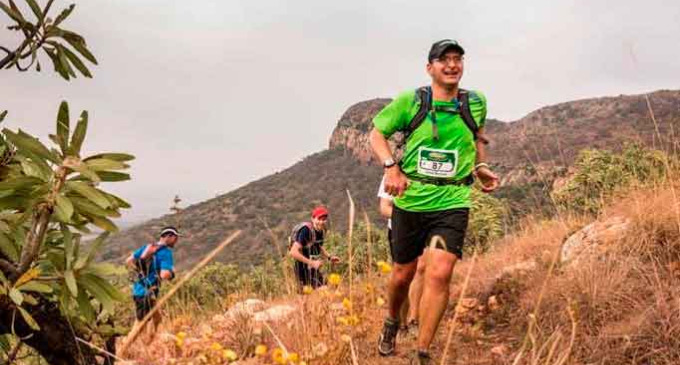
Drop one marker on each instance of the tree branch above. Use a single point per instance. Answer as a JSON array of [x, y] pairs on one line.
[[7, 268], [13, 57], [41, 219]]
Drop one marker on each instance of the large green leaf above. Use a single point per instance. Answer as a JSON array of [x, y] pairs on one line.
[[14, 14], [76, 164], [89, 192], [104, 223], [56, 62], [81, 47], [113, 176], [73, 58], [103, 164], [30, 300], [36, 169], [63, 209], [63, 15], [121, 157], [36, 286], [105, 269], [85, 307], [95, 246], [57, 259], [16, 296], [70, 279], [63, 60], [88, 209], [68, 245], [63, 126], [104, 292], [20, 183], [116, 201], [8, 248], [25, 141], [35, 8], [79, 133], [29, 320]]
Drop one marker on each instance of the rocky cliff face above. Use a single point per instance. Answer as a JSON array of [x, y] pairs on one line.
[[547, 140], [351, 132]]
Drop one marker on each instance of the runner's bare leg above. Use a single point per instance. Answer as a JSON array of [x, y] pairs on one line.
[[435, 297], [402, 275]]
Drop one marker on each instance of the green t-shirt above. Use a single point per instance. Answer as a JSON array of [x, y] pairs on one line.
[[451, 157]]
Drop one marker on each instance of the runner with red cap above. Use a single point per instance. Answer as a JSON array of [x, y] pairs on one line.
[[306, 247]]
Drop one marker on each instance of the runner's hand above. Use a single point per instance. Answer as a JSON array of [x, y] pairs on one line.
[[395, 181], [315, 264], [490, 181]]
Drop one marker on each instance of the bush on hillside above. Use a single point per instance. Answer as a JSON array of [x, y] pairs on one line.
[[599, 174]]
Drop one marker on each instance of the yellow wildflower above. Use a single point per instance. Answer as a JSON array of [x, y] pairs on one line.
[[307, 289], [342, 320], [229, 355], [277, 356], [293, 357], [384, 267], [380, 301], [334, 279], [261, 350], [347, 304], [353, 320], [216, 346]]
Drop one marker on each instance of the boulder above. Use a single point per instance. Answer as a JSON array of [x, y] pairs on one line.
[[593, 238]]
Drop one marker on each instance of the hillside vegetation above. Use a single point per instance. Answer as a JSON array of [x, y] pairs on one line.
[[530, 154], [574, 289]]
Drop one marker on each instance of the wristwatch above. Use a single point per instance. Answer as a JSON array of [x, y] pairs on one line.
[[389, 163]]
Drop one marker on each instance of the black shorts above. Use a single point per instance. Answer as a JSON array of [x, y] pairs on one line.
[[412, 232], [143, 305], [308, 277]]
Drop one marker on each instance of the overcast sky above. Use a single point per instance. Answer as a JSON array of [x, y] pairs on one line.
[[212, 94]]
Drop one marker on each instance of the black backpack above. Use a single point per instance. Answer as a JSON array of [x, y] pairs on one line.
[[424, 96], [296, 230]]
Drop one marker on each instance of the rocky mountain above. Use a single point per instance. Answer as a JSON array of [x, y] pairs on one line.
[[529, 153]]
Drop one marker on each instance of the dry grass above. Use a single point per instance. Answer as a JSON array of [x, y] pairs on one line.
[[621, 306]]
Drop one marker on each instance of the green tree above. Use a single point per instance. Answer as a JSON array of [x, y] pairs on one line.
[[52, 292], [599, 174], [42, 33], [487, 222]]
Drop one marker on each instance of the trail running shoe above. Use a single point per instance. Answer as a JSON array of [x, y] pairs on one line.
[[421, 358], [388, 337]]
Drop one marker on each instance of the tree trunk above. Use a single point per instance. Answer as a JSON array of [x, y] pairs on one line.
[[55, 341]]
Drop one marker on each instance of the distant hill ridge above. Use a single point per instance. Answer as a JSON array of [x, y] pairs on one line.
[[527, 152]]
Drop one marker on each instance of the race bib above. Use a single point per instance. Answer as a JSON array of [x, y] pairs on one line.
[[437, 163]]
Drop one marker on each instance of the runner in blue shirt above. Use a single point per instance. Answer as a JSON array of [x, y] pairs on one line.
[[152, 263]]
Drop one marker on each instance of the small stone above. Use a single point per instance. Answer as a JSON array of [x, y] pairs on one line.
[[500, 350], [469, 303]]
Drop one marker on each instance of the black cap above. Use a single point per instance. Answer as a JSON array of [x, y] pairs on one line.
[[169, 230], [439, 48]]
